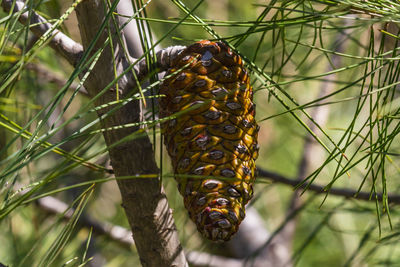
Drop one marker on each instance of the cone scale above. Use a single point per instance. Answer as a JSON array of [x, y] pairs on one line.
[[212, 141]]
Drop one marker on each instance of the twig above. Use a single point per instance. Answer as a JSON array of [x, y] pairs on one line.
[[60, 42], [344, 192]]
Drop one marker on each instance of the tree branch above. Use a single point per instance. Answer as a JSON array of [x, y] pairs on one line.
[[72, 50], [344, 192], [144, 200], [60, 42]]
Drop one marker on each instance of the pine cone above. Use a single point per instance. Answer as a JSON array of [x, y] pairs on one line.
[[212, 141]]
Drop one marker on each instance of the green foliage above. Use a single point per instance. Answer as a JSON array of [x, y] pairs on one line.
[[339, 57]]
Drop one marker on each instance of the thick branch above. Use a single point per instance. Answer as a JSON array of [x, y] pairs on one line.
[[344, 192], [144, 202], [60, 42]]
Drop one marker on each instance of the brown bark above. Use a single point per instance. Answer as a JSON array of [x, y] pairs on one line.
[[145, 204], [144, 201]]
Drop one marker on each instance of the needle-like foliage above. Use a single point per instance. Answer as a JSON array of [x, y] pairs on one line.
[[326, 81]]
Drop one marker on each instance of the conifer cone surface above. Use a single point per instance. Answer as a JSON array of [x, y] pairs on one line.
[[212, 141]]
